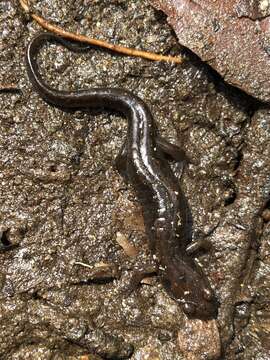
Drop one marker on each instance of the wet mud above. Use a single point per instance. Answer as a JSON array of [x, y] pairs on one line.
[[64, 206]]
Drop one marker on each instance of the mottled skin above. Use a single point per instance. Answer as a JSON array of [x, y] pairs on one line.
[[142, 162]]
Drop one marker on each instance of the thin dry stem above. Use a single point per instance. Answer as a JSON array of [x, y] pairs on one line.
[[82, 38]]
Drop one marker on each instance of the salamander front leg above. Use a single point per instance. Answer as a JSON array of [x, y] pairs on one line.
[[135, 277], [200, 242]]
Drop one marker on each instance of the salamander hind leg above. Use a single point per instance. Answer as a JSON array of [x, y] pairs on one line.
[[134, 277], [174, 153]]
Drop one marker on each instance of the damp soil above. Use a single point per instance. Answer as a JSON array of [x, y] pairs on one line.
[[64, 206]]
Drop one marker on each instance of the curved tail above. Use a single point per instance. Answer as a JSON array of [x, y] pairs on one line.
[[112, 98]]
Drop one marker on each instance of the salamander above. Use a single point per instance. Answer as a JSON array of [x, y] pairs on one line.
[[143, 163]]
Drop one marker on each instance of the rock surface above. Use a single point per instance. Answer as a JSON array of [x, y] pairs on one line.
[[231, 36]]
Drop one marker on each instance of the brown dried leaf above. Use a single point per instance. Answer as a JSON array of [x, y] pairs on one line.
[[128, 248]]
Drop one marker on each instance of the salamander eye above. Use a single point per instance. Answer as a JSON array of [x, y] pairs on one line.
[[207, 294], [167, 284], [189, 309]]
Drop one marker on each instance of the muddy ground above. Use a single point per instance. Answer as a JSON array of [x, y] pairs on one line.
[[64, 206]]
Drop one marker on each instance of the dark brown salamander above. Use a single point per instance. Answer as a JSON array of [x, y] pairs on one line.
[[142, 162]]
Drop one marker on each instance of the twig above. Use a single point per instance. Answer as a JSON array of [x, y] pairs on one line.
[[83, 264], [82, 38], [9, 88]]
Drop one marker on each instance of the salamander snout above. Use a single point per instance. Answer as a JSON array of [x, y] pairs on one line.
[[207, 294], [189, 309], [202, 308], [187, 284]]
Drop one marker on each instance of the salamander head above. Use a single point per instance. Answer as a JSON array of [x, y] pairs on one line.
[[185, 282]]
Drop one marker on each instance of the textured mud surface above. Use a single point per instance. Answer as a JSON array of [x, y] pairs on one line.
[[64, 206]]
